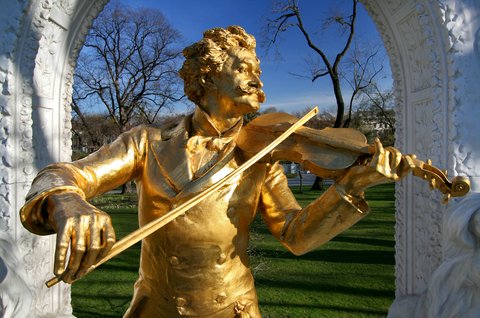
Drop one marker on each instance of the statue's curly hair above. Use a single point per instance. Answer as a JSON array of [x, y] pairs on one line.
[[208, 55]]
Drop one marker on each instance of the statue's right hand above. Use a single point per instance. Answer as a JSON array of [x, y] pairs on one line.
[[81, 228]]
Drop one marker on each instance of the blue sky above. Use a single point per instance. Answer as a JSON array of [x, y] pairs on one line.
[[284, 91]]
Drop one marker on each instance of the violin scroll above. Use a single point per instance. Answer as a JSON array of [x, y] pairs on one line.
[[459, 186]]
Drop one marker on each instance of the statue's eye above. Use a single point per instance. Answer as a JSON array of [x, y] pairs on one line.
[[242, 69]]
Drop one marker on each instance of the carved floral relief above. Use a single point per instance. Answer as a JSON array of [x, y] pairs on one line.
[[417, 51]]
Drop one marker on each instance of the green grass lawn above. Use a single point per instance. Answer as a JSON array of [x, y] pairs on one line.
[[351, 276]]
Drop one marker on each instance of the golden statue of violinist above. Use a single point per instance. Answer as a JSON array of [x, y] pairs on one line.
[[196, 265]]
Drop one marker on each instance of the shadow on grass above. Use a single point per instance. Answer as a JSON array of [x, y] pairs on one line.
[[105, 305], [337, 256], [347, 309], [107, 294], [258, 225], [385, 192], [366, 241], [318, 285], [119, 267], [105, 282], [93, 314]]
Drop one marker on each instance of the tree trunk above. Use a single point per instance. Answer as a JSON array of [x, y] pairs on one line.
[[301, 179], [317, 184]]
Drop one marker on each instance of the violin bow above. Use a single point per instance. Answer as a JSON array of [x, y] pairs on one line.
[[141, 233]]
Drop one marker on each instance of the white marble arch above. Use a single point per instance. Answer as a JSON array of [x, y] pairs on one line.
[[434, 51]]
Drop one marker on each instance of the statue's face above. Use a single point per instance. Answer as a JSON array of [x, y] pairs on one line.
[[238, 86]]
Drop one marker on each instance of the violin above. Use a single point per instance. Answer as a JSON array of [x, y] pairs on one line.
[[330, 152]]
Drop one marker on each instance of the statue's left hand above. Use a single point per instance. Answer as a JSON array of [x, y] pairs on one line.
[[386, 165]]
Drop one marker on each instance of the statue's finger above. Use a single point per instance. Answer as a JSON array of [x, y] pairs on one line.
[[108, 238], [76, 254], [410, 161], [379, 152], [62, 245], [93, 247], [379, 146], [395, 156]]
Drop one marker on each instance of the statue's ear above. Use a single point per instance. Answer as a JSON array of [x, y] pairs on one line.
[[207, 82]]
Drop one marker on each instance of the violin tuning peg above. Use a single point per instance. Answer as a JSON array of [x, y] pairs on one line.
[[425, 176], [445, 172], [433, 184], [429, 162]]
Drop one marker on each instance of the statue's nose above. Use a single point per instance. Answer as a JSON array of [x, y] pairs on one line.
[[256, 84]]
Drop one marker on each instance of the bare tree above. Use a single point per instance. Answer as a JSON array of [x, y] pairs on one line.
[[383, 102], [91, 131], [290, 16], [127, 67], [375, 116], [359, 72]]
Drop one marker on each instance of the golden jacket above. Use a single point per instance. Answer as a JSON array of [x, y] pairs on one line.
[[197, 265]]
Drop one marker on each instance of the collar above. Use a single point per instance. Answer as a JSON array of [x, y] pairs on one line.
[[203, 125], [204, 135]]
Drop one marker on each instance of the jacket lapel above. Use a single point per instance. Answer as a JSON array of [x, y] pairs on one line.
[[217, 172], [172, 158]]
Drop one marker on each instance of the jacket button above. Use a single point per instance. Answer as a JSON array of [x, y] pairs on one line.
[[221, 298], [180, 301], [221, 258], [173, 260]]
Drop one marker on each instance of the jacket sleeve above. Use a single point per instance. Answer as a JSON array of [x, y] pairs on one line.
[[302, 229], [109, 167]]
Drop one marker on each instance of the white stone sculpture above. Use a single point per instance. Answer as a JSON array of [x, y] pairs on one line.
[[454, 288], [15, 296]]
